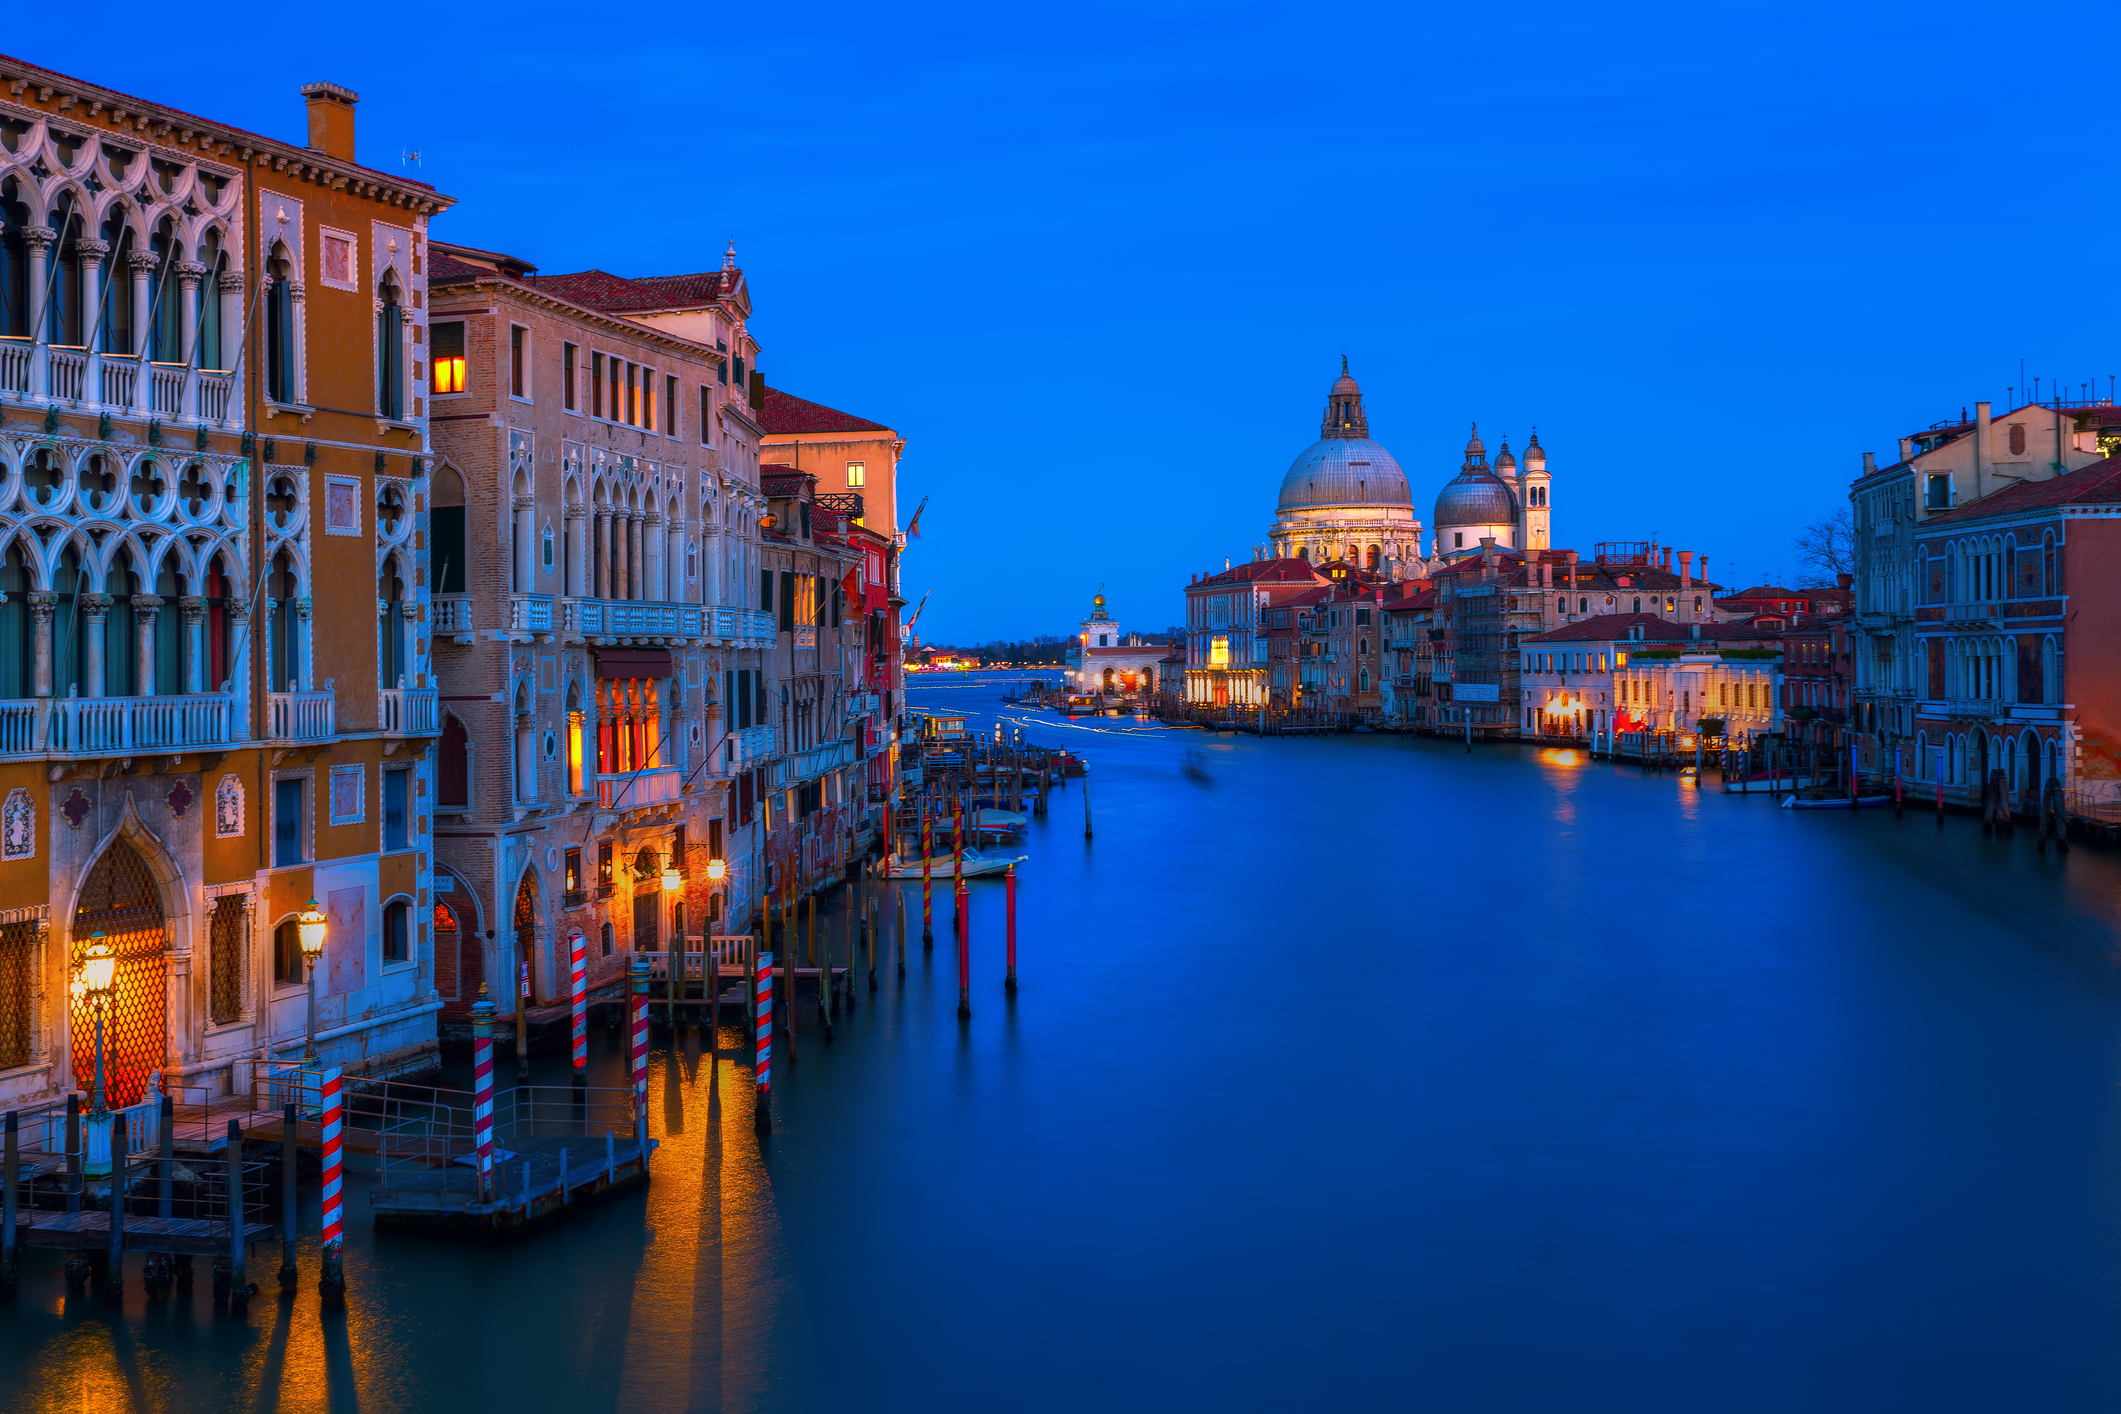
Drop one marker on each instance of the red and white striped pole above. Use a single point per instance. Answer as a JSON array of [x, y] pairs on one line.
[[1009, 983], [578, 994], [482, 1015], [638, 976], [762, 1073], [332, 1283]]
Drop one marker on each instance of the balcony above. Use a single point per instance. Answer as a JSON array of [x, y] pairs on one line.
[[750, 747], [408, 711], [301, 716], [861, 704], [656, 785], [1978, 709], [807, 765], [452, 616], [635, 618], [115, 726], [117, 383], [530, 613]]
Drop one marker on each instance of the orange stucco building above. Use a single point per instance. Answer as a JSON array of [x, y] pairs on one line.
[[213, 440]]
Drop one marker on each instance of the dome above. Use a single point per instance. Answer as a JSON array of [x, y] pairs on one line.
[[1503, 458], [1344, 471], [1477, 497], [1346, 383]]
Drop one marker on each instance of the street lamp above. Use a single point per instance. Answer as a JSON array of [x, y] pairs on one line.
[[672, 882], [311, 928], [92, 982]]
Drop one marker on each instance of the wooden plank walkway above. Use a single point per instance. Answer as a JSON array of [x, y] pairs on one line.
[[530, 1183], [89, 1230]]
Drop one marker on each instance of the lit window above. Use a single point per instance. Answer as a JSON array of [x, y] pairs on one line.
[[856, 471], [1219, 651], [448, 358]]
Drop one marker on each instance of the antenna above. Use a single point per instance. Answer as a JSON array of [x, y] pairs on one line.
[[410, 157]]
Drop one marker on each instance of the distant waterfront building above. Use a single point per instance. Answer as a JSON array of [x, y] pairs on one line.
[[1641, 673], [1228, 618], [1108, 660]]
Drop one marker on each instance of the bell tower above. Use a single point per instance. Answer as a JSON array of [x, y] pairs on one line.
[[1532, 487]]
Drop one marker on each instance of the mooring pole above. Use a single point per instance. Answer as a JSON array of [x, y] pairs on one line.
[[821, 958], [875, 921], [1086, 803], [288, 1209], [964, 950], [1897, 807], [900, 933], [482, 1014], [331, 1244], [762, 1020], [114, 1280], [240, 1287], [10, 1172], [578, 1003], [639, 980], [1009, 982], [73, 1152], [927, 883], [957, 867], [522, 1016]]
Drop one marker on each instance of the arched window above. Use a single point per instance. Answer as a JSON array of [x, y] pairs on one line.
[[16, 644], [526, 748], [453, 765], [392, 661], [1638, 603], [14, 262], [165, 326], [280, 326], [390, 351], [209, 352], [281, 588], [2047, 563], [114, 319]]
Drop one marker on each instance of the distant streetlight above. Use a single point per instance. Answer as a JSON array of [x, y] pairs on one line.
[[311, 927]]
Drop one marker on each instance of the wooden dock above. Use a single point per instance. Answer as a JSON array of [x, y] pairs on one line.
[[536, 1178], [89, 1231]]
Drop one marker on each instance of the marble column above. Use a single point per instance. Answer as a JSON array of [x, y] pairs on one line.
[[193, 642], [146, 609], [41, 604], [92, 254], [298, 646], [603, 573], [141, 263], [238, 617], [189, 274], [95, 610], [38, 241], [674, 562], [636, 572], [526, 556]]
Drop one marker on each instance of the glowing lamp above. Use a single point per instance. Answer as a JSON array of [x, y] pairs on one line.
[[671, 882], [98, 965], [768, 521], [311, 928], [716, 871]]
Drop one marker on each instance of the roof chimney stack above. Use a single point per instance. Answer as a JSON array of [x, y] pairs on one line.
[[1572, 569], [1870, 462], [1686, 569], [331, 117]]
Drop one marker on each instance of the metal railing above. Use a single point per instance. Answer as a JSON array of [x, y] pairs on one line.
[[432, 1134]]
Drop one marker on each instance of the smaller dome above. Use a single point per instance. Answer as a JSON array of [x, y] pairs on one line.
[[1476, 497], [1503, 457], [1533, 452], [1473, 446], [1346, 384]]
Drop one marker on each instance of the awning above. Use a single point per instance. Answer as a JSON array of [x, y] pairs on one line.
[[633, 662]]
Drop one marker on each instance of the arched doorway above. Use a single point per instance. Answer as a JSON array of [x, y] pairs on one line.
[[526, 926], [121, 902], [460, 963]]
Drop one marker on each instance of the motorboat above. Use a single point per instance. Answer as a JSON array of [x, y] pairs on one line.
[[943, 865], [1833, 802]]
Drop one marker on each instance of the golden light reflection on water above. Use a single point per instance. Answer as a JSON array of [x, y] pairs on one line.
[[686, 1323]]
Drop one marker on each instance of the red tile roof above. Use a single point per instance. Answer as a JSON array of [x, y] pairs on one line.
[[2097, 484], [1285, 570], [1615, 628], [786, 415]]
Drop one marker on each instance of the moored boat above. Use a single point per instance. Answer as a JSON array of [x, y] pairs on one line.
[[943, 865]]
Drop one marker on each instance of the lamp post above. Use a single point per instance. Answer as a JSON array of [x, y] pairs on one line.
[[311, 927], [92, 982]]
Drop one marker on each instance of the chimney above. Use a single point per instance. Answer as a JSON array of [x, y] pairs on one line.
[[1686, 569], [331, 119], [1667, 559], [1572, 569], [1907, 449], [1546, 576], [1870, 462], [1704, 569], [1487, 553], [1980, 449]]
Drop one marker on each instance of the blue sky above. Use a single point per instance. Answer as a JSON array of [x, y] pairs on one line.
[[1099, 264]]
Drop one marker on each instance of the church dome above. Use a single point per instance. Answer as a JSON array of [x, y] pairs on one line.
[[1477, 497], [1344, 471]]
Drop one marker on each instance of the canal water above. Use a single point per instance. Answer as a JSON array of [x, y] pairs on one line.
[[1347, 1073]]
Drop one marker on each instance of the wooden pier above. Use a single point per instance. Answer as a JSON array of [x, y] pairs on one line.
[[89, 1231], [535, 1178]]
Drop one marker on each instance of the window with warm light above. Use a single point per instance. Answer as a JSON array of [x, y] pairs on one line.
[[856, 471], [446, 342], [1219, 651]]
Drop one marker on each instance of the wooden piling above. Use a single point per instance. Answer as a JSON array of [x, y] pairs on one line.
[[114, 1278], [1086, 806], [288, 1209], [762, 1065], [73, 1153], [240, 1287], [1009, 982], [964, 948], [10, 1175], [927, 882], [821, 959], [875, 921]]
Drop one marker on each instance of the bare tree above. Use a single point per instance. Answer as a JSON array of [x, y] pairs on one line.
[[1827, 548]]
